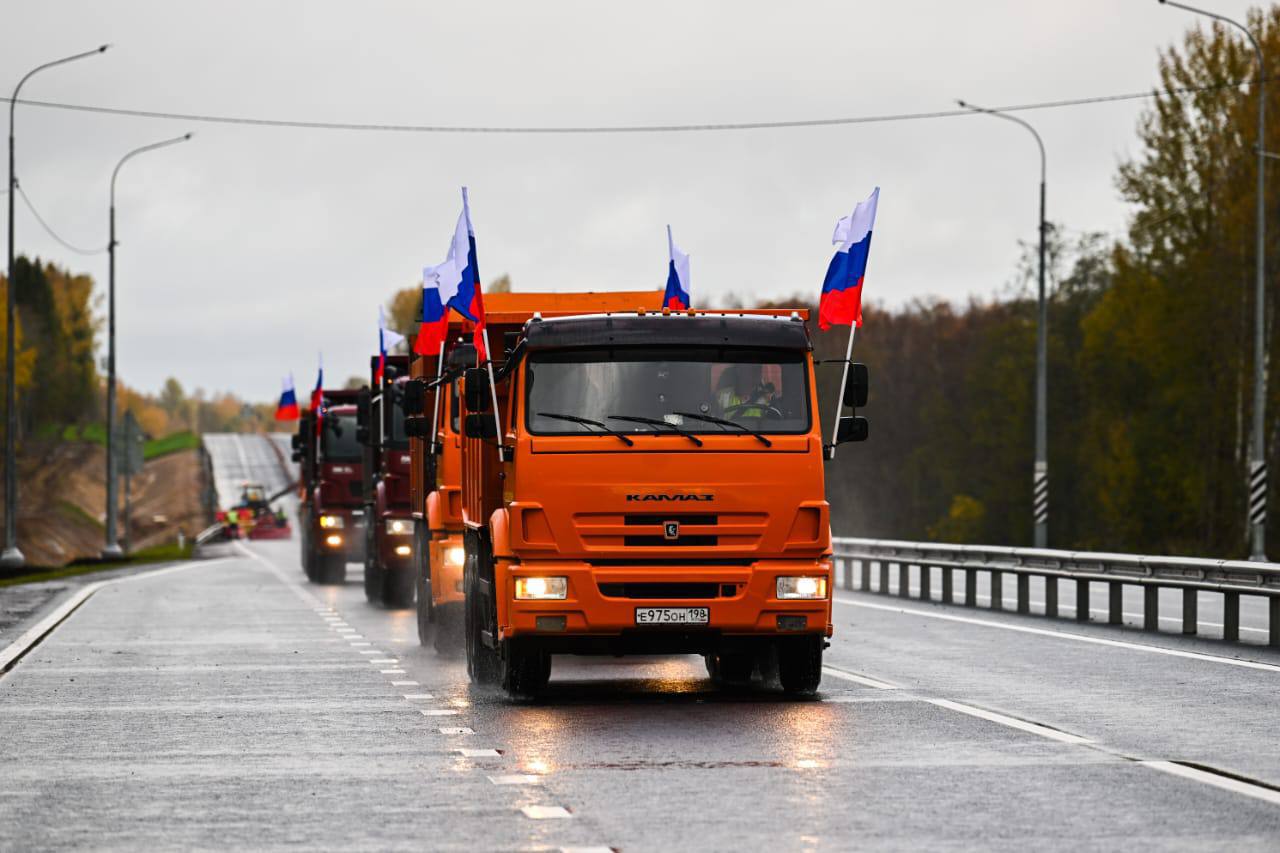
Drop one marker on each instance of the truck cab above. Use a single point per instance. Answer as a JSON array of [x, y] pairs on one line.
[[331, 499], [657, 488], [389, 570]]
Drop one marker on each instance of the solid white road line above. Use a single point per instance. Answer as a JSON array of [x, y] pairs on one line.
[[25, 641], [1226, 783], [858, 679], [1011, 722], [1063, 635]]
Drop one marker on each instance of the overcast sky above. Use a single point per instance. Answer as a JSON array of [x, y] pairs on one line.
[[247, 249]]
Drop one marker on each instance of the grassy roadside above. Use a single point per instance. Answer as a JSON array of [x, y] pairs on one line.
[[155, 554]]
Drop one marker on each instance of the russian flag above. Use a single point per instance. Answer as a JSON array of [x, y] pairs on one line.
[[458, 281], [287, 408], [677, 295], [317, 393], [435, 320], [386, 340], [841, 303]]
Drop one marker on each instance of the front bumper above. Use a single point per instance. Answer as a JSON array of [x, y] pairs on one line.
[[602, 601], [350, 535], [395, 551]]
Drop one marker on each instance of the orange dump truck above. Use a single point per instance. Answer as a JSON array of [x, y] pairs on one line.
[[649, 482]]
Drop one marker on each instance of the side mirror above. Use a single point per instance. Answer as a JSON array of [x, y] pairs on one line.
[[296, 456], [480, 426], [362, 434], [295, 441], [855, 393], [462, 355], [417, 427], [413, 396], [477, 390], [852, 429], [362, 408]]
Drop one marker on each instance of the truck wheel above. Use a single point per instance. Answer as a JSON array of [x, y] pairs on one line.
[[800, 665], [331, 569], [482, 661], [525, 670], [397, 588]]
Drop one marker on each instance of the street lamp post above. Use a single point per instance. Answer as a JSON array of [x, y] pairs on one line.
[[12, 558], [1040, 479], [1257, 481], [112, 548]]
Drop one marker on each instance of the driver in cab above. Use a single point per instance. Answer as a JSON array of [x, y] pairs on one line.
[[742, 393]]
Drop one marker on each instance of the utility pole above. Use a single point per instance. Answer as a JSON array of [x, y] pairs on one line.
[[12, 557]]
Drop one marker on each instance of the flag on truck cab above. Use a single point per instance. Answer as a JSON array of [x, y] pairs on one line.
[[317, 393], [287, 408], [841, 303], [458, 278], [386, 340], [677, 295], [434, 327]]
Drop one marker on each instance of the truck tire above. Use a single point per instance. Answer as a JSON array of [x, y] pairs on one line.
[[331, 569], [374, 580], [482, 662], [525, 670], [397, 588], [800, 665], [425, 611], [422, 581]]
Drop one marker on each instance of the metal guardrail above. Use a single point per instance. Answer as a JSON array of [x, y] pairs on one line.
[[1230, 578]]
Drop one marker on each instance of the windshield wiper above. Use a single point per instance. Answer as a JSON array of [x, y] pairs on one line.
[[726, 423], [574, 419], [655, 422]]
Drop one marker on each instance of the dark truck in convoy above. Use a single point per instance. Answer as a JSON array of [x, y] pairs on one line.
[[331, 499], [389, 569]]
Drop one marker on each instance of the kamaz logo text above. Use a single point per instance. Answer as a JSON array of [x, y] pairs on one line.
[[673, 498]]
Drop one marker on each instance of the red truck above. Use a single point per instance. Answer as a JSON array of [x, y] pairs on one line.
[[331, 509], [389, 570]]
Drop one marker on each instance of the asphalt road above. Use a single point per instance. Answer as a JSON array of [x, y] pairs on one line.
[[240, 458], [231, 704]]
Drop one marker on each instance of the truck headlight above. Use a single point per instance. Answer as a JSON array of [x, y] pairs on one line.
[[455, 555], [399, 527], [541, 589], [802, 587], [331, 522]]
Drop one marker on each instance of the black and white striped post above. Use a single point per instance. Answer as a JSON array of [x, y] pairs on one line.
[[1258, 508], [1040, 500]]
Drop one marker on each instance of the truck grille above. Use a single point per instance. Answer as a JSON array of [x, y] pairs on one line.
[[611, 531], [665, 590]]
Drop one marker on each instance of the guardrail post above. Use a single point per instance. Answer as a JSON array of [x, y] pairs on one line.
[[1190, 611], [1024, 593], [926, 582], [1231, 616], [904, 580], [1115, 603], [970, 587], [866, 574], [1151, 607], [884, 578], [1273, 605], [848, 574], [948, 585], [1051, 596], [1082, 600], [997, 590]]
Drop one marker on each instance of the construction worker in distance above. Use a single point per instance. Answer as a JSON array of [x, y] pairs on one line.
[[742, 394]]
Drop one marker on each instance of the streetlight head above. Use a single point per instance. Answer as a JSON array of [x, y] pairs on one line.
[[961, 104], [103, 49], [189, 135]]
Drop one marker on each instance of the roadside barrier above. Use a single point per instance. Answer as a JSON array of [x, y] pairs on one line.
[[857, 560]]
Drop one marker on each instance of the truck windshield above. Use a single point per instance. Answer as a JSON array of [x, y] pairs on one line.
[[764, 390], [340, 438]]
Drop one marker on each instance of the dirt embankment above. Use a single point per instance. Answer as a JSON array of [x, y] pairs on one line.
[[62, 502]]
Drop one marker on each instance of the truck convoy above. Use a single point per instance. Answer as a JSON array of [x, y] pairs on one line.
[[648, 482], [389, 571], [331, 490]]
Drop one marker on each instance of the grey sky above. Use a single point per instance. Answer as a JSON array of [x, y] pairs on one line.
[[247, 249]]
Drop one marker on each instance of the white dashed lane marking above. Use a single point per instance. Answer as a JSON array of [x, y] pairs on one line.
[[418, 696], [404, 684], [516, 779], [391, 671], [456, 730], [439, 712], [478, 753], [546, 812]]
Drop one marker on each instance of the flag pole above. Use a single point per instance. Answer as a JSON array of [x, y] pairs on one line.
[[844, 380], [671, 246], [493, 391], [435, 409]]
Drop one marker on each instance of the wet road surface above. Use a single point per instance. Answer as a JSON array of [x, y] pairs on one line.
[[231, 704]]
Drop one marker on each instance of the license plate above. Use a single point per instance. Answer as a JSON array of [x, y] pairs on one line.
[[673, 615]]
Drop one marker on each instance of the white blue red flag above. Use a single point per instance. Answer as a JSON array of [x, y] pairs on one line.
[[317, 393], [434, 327], [287, 408], [386, 340], [841, 303], [677, 295], [458, 278]]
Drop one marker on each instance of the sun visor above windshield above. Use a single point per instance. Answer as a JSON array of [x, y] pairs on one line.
[[607, 330]]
